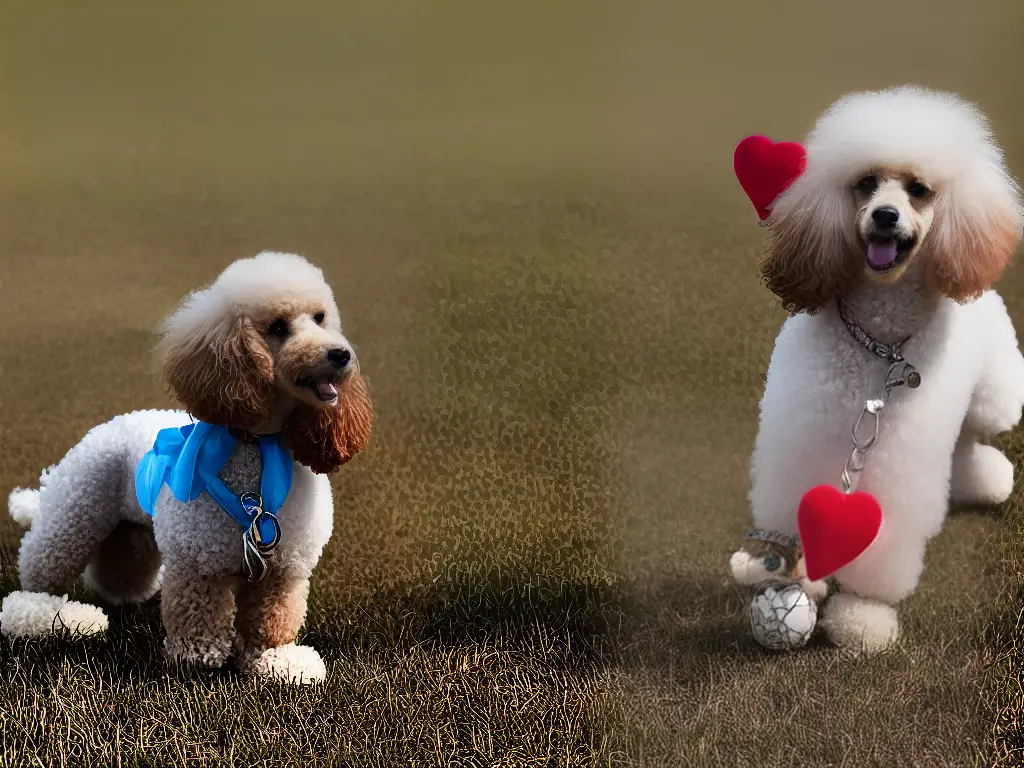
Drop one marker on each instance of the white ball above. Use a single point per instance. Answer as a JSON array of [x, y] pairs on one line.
[[782, 616]]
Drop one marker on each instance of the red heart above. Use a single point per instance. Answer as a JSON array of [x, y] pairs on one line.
[[766, 169], [835, 528]]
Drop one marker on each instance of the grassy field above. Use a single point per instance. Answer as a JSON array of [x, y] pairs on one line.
[[530, 222]]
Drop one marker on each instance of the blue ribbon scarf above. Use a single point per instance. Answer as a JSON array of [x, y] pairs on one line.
[[189, 459]]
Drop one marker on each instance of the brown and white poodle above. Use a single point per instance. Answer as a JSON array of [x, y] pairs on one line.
[[224, 507]]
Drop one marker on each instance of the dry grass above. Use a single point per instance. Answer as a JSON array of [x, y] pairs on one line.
[[416, 680], [530, 224], [1004, 637]]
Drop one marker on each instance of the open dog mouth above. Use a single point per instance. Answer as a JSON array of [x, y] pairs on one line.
[[885, 254], [324, 387]]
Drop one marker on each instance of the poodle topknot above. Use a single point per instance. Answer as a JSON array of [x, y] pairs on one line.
[[268, 380], [902, 220]]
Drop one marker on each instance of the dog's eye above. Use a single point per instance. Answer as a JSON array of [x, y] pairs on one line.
[[772, 563], [278, 328], [917, 189], [868, 184], [318, 318]]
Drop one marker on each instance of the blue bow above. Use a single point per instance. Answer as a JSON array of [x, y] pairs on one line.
[[189, 459]]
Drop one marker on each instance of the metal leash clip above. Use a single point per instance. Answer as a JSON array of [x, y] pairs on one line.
[[260, 539], [900, 374]]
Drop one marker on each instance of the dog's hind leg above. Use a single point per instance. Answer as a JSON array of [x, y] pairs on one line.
[[982, 475], [77, 511], [66, 528], [80, 502]]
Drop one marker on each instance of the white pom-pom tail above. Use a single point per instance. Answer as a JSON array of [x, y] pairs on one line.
[[23, 506]]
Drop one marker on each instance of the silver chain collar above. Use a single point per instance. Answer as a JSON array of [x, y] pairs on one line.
[[898, 374]]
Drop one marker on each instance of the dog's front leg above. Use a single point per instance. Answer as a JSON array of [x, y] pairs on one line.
[[270, 614], [198, 614]]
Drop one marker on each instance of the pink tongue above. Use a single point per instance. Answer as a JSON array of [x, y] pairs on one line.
[[326, 390], [881, 254]]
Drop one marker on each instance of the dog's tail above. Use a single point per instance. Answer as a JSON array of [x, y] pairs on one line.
[[23, 503]]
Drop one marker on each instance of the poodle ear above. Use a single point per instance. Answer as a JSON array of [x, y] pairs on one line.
[[810, 260], [974, 237], [325, 438], [218, 367]]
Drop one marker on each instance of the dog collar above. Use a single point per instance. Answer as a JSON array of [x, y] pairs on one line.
[[189, 459], [243, 436], [889, 352]]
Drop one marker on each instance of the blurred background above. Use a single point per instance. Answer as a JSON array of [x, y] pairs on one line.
[[529, 217]]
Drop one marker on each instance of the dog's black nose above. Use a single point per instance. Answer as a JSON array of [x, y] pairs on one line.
[[885, 217], [339, 356]]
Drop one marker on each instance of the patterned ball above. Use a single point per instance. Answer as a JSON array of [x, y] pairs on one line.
[[782, 616]]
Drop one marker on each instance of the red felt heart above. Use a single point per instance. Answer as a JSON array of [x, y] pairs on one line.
[[835, 528], [765, 169]]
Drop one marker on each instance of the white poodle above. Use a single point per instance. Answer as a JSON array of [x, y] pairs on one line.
[[191, 503], [903, 218]]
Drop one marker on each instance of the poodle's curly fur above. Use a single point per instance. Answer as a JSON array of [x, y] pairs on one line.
[[907, 213], [260, 350]]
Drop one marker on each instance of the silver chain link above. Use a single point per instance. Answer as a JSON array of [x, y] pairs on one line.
[[900, 373]]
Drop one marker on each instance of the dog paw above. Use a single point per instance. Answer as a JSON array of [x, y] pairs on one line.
[[37, 614], [859, 624], [992, 415], [290, 663]]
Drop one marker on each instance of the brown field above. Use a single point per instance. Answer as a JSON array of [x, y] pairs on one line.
[[530, 221]]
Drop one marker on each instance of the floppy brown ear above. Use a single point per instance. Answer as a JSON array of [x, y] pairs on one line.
[[325, 438], [809, 261], [222, 374], [972, 245]]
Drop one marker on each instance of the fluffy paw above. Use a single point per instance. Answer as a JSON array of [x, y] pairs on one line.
[[37, 614], [290, 663], [859, 624], [994, 413], [981, 475]]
